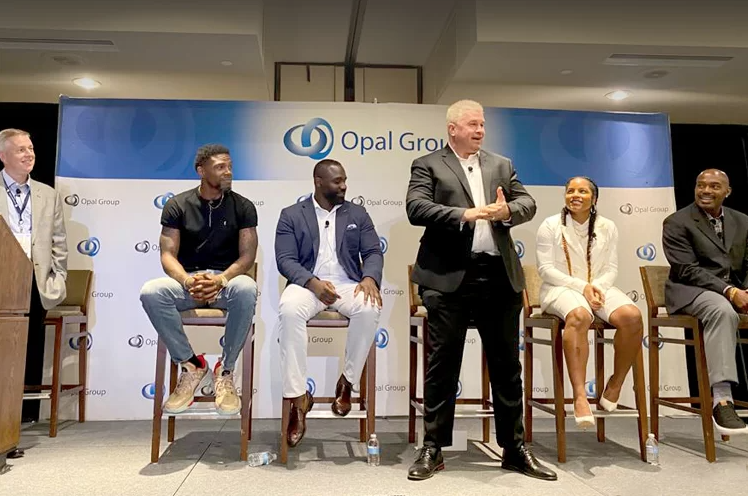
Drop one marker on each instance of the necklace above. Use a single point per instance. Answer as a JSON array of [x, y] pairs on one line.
[[211, 207]]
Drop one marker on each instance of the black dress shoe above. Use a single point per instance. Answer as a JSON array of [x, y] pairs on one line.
[[523, 461], [429, 461], [16, 453]]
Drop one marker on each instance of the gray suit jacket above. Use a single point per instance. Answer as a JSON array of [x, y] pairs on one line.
[[49, 250], [699, 261], [438, 195]]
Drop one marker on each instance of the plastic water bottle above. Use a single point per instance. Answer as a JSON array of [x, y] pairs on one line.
[[653, 450], [372, 451], [260, 459]]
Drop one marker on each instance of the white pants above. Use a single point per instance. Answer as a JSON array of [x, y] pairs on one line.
[[297, 306]]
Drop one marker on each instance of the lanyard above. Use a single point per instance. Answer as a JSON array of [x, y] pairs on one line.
[[12, 197]]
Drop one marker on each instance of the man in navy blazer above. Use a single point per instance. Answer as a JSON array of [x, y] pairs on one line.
[[328, 250]]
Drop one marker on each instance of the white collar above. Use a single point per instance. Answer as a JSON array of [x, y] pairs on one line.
[[472, 156], [317, 205], [10, 181]]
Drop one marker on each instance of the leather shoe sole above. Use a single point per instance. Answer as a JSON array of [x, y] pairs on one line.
[[428, 475], [528, 472]]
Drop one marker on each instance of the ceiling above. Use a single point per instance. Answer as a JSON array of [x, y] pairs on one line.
[[507, 53]]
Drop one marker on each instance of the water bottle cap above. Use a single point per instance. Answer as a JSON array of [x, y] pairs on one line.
[[373, 436], [651, 435]]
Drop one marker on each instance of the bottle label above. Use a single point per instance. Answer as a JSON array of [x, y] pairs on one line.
[[373, 450]]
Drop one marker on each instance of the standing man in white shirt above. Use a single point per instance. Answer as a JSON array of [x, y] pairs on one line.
[[469, 274], [328, 250], [33, 211]]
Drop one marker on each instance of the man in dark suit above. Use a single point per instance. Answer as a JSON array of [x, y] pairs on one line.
[[468, 272], [705, 244], [328, 250]]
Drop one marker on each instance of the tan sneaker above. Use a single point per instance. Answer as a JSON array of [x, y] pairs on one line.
[[227, 401], [190, 380]]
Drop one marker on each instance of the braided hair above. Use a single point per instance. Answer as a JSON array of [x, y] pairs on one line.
[[590, 227]]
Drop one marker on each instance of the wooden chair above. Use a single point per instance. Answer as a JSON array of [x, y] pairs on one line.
[[210, 317], [366, 398], [73, 310], [419, 321], [653, 281], [533, 319]]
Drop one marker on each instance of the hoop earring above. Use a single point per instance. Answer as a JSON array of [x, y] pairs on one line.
[[593, 209]]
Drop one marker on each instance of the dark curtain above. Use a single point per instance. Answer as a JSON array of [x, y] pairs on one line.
[[40, 120], [697, 147]]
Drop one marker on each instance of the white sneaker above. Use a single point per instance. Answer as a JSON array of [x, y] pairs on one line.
[[227, 401], [190, 380]]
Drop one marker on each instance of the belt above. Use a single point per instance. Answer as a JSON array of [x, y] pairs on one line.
[[484, 256]]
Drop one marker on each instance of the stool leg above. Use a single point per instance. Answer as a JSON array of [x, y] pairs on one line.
[[173, 372], [246, 396], [285, 414], [654, 381], [557, 358], [412, 379], [56, 366], [704, 395], [599, 379], [528, 384], [640, 396], [251, 384], [158, 400], [83, 372]]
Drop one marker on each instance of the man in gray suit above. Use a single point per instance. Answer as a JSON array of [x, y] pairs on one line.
[[469, 273], [706, 245], [33, 211]]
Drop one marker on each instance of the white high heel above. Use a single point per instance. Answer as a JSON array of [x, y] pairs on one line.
[[585, 422], [607, 405]]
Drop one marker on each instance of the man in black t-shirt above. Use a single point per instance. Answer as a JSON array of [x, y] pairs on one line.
[[208, 244]]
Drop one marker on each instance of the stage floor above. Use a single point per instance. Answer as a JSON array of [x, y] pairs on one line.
[[112, 458]]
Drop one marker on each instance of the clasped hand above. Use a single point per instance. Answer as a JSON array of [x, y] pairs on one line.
[[497, 211], [204, 287], [594, 297]]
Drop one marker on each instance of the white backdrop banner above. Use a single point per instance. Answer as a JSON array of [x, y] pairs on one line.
[[119, 161]]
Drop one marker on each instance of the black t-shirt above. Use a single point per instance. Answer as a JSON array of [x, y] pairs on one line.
[[209, 231]]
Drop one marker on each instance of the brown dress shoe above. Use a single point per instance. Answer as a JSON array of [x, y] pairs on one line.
[[342, 404], [297, 420]]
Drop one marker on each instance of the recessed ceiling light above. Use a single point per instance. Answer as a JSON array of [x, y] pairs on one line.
[[86, 83], [566, 72], [657, 74], [226, 63], [618, 95]]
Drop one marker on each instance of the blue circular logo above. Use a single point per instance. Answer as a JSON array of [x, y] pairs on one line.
[[136, 341], [383, 245], [311, 386], [521, 340], [75, 344], [160, 201], [143, 247], [660, 344], [303, 198], [382, 338], [72, 200], [589, 386], [222, 341], [149, 391], [316, 139], [459, 389], [519, 247], [89, 247], [627, 209], [647, 252]]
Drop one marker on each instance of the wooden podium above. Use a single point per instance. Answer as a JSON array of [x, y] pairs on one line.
[[15, 299]]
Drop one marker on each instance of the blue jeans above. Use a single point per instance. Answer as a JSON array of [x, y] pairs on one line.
[[164, 298]]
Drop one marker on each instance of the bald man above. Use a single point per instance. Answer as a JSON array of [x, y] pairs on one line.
[[705, 244]]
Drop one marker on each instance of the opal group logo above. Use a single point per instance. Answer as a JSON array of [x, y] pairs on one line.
[[459, 389], [149, 391], [303, 198], [314, 141], [626, 209], [89, 247], [383, 244], [647, 252], [377, 202], [589, 387], [145, 247], [138, 341], [358, 200], [75, 343], [519, 247], [72, 200], [629, 209], [382, 338], [311, 386], [635, 296], [521, 340], [660, 344], [222, 341], [160, 201]]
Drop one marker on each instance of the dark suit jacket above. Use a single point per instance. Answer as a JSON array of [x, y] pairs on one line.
[[699, 261], [438, 194], [297, 243]]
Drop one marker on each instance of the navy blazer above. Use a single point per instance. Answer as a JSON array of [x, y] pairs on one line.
[[297, 243]]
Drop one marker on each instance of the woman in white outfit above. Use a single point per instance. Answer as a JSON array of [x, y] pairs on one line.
[[578, 262]]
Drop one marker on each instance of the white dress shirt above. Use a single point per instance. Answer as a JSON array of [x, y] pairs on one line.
[[482, 237], [327, 267], [20, 225]]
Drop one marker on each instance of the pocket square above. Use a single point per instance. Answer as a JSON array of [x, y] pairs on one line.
[[351, 227]]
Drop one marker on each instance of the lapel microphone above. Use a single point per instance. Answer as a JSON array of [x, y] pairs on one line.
[[18, 191], [470, 168], [327, 224]]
